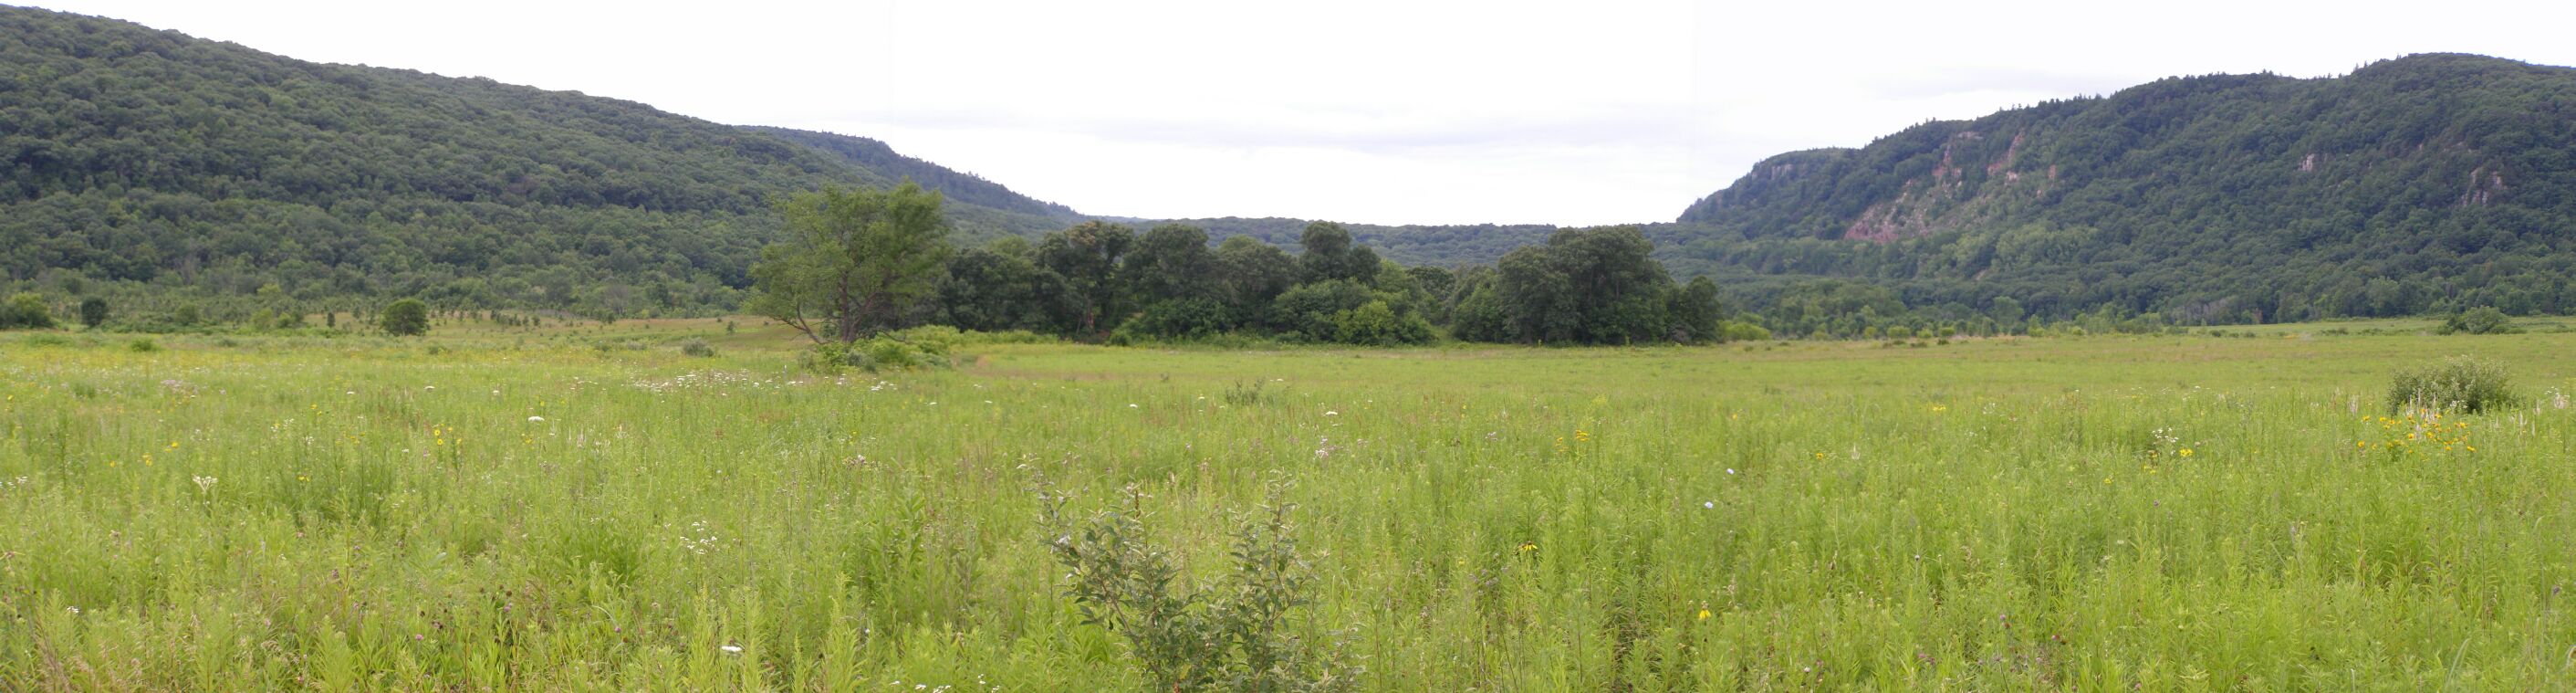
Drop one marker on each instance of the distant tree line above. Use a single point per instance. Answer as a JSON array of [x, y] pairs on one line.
[[863, 262]]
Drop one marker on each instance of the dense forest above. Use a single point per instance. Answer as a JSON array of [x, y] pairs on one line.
[[173, 169], [2430, 183]]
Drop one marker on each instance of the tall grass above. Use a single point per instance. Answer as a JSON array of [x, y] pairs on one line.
[[2166, 513]]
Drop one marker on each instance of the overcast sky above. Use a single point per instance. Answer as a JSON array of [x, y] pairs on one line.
[[1371, 111]]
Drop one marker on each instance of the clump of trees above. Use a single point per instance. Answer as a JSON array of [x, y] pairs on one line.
[[26, 311], [865, 262], [1586, 286]]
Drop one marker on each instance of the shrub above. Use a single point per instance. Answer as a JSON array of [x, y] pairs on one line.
[[2458, 383], [874, 354], [1249, 394], [1376, 324], [1231, 636], [2479, 320], [406, 318], [26, 311], [93, 312], [698, 348], [1196, 318], [142, 346]]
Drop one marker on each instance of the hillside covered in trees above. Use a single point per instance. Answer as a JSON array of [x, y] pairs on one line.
[[2422, 184], [177, 166]]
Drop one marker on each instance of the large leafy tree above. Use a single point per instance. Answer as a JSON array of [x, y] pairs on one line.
[[1331, 255], [1087, 256], [857, 261], [1172, 263], [1252, 275], [997, 288]]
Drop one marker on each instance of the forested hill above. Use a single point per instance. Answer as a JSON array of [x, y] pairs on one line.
[[2424, 183], [959, 188], [152, 157]]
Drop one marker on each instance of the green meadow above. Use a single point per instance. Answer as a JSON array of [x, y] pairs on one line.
[[498, 510]]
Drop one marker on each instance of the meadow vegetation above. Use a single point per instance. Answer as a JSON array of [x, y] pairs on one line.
[[615, 507]]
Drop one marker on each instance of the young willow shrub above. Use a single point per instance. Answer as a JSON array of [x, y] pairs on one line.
[[2460, 383], [2479, 320], [1235, 635]]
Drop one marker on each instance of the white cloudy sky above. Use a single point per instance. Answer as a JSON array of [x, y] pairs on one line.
[[1365, 111]]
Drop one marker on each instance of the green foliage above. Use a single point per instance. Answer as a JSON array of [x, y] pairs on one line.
[[881, 353], [1331, 256], [859, 262], [93, 312], [26, 311], [1585, 286], [1171, 263], [1375, 324], [1252, 274], [1236, 635], [2460, 383], [158, 163], [987, 289], [698, 347], [1195, 318], [142, 345], [405, 318], [2479, 320], [2418, 185], [1087, 257]]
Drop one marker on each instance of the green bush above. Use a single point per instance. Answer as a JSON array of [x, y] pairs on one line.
[[882, 353], [143, 346], [406, 318], [93, 312], [26, 312], [1236, 635], [1179, 319], [2479, 320], [1377, 324], [2459, 383], [698, 348]]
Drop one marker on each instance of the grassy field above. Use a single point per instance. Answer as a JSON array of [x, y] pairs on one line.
[[492, 509]]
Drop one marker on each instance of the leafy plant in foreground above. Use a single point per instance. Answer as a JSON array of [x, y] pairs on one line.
[[1231, 636]]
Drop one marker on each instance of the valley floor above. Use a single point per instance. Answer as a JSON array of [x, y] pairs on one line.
[[496, 510]]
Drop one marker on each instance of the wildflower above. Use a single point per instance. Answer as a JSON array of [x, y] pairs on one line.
[[1528, 546], [536, 419], [2186, 452], [1703, 614], [1730, 470], [1711, 505], [1329, 412], [736, 649]]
